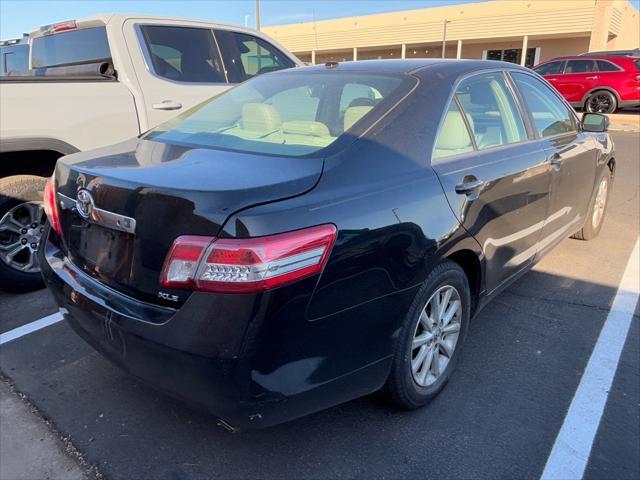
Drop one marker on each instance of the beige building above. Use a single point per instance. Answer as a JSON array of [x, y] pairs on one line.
[[499, 30]]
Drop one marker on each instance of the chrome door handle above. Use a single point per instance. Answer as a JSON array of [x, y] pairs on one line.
[[467, 187], [167, 105], [595, 77], [555, 160]]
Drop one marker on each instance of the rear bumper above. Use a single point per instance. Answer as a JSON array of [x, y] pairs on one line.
[[210, 352]]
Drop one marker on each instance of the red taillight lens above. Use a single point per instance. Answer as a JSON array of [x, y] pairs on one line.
[[64, 26], [242, 265], [51, 207]]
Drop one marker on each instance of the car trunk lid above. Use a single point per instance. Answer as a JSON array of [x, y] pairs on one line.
[[143, 194]]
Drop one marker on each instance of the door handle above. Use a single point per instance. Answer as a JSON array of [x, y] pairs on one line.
[[555, 160], [551, 79], [469, 186], [167, 105], [595, 77]]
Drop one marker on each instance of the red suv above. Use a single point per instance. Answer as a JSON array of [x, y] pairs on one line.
[[598, 83]]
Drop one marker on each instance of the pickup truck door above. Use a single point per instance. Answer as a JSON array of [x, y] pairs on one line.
[[176, 67]]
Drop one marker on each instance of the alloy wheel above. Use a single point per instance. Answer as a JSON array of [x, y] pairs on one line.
[[600, 103], [436, 336], [20, 233], [600, 204]]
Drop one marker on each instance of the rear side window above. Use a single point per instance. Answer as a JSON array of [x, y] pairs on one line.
[[550, 115], [87, 45], [551, 68], [491, 110], [15, 59], [604, 66], [183, 54], [580, 66], [246, 56], [453, 138]]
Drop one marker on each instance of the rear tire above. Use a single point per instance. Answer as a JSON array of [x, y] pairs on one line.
[[413, 382], [22, 223], [597, 210], [601, 101]]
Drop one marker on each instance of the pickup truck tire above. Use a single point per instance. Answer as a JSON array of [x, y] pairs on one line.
[[22, 221]]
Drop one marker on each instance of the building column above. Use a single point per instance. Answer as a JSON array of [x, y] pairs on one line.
[[313, 57], [355, 53], [404, 51], [459, 52], [523, 55]]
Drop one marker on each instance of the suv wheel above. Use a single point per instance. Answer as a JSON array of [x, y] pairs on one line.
[[601, 101], [22, 222], [431, 337]]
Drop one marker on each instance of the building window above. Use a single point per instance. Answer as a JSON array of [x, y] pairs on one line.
[[513, 55]]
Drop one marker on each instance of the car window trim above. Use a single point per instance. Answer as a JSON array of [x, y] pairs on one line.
[[572, 113], [146, 54], [524, 115]]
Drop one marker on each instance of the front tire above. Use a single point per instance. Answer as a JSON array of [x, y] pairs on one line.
[[22, 222], [431, 337], [597, 210], [601, 101]]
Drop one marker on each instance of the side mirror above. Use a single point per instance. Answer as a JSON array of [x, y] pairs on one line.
[[595, 122]]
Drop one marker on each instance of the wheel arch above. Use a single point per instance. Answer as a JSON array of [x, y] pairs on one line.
[[596, 89]]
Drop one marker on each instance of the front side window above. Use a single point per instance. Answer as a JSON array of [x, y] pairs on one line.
[[183, 54], [550, 115], [491, 110], [246, 56], [551, 68], [290, 113], [580, 66], [86, 45]]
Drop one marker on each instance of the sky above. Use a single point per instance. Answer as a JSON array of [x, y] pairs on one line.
[[18, 16]]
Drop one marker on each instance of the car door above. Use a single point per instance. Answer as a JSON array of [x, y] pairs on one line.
[[495, 178], [176, 66], [571, 155], [551, 71], [578, 78]]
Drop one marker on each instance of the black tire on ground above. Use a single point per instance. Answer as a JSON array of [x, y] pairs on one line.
[[14, 191], [401, 388], [591, 230], [601, 101]]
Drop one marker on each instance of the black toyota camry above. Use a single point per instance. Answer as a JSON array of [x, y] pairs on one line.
[[317, 234]]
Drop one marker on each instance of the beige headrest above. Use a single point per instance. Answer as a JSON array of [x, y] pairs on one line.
[[453, 134], [306, 127], [353, 114], [260, 117]]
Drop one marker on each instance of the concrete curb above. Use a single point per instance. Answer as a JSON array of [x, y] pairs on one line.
[[624, 122]]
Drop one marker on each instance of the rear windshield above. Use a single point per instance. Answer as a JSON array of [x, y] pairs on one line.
[[291, 113], [87, 45]]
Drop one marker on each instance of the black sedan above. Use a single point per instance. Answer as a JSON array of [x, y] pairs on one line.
[[321, 233]]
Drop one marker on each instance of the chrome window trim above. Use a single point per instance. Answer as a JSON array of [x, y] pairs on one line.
[[146, 55]]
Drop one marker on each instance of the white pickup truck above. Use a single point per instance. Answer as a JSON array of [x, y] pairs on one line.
[[98, 81]]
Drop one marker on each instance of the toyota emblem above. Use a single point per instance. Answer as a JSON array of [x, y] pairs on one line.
[[84, 203]]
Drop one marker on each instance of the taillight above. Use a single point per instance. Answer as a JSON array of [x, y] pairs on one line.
[[51, 206], [242, 265]]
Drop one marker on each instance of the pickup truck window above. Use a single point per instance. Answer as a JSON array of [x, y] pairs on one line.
[[15, 59], [246, 56], [183, 54], [87, 45]]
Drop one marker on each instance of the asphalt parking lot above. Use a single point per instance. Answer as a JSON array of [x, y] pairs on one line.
[[498, 417]]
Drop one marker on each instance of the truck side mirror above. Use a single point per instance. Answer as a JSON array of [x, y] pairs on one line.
[[595, 122]]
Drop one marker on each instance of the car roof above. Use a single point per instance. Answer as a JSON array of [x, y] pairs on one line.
[[589, 57], [408, 66]]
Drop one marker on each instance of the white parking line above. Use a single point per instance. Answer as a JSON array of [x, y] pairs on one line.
[[30, 327], [571, 450]]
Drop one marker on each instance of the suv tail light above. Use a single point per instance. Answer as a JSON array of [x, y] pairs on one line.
[[51, 206], [243, 265]]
